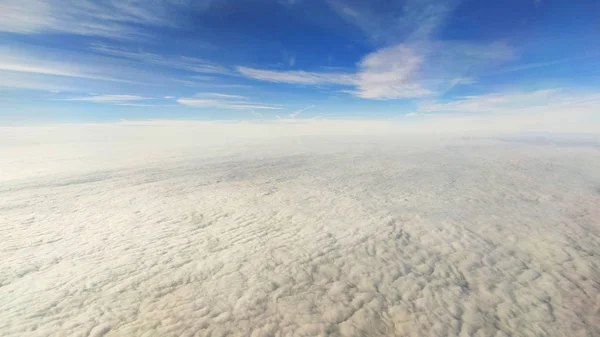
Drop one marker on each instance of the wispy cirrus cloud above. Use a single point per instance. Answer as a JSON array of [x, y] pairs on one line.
[[107, 98], [296, 113], [402, 71], [192, 64], [512, 102], [25, 66], [386, 23], [33, 62], [220, 95], [494, 102], [225, 102], [55, 70], [225, 105], [118, 99], [543, 64], [410, 62], [123, 19], [297, 76], [548, 110]]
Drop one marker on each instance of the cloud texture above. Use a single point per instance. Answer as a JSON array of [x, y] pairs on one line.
[[155, 230]]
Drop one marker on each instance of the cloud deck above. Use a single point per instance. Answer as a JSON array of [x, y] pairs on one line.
[[370, 238]]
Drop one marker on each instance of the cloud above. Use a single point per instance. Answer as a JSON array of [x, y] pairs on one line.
[[55, 69], [496, 102], [534, 65], [220, 95], [81, 72], [188, 63], [225, 101], [390, 73], [549, 110], [32, 81], [232, 103], [175, 228], [107, 98], [406, 70], [298, 112], [387, 23], [297, 76], [142, 105], [124, 19]]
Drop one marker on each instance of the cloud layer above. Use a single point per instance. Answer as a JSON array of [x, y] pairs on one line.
[[147, 228]]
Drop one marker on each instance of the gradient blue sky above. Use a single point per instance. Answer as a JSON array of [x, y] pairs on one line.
[[85, 60]]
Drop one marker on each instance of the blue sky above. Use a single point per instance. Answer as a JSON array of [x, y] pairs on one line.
[[85, 60]]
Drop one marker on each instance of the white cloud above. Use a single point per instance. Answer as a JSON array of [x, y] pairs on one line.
[[220, 95], [226, 104], [108, 18], [55, 69], [389, 22], [142, 105], [297, 76], [402, 71], [175, 228], [390, 74], [108, 98], [169, 97], [252, 107], [298, 112], [223, 101], [551, 110], [496, 102], [32, 81], [22, 66], [192, 64]]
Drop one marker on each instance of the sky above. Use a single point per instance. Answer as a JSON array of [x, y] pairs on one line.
[[111, 60]]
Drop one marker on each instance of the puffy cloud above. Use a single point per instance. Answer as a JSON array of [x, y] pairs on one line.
[[390, 74], [251, 229]]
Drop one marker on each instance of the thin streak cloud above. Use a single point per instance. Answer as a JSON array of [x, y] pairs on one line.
[[226, 104], [108, 98]]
